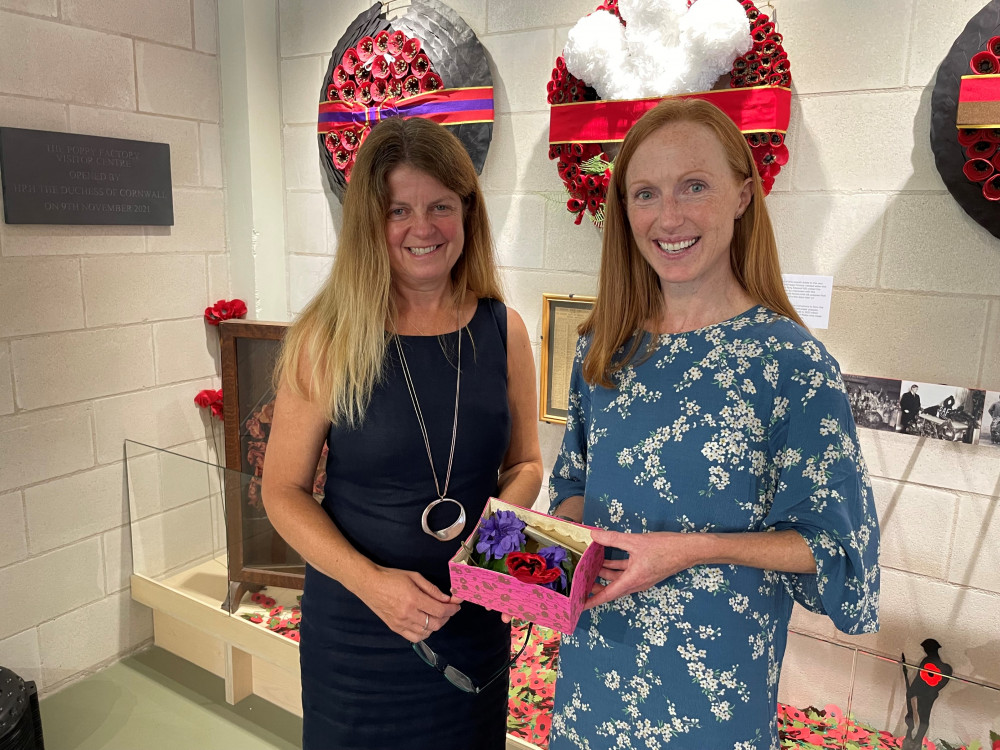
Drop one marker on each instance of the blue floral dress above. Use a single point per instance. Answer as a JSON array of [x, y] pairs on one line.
[[740, 426]]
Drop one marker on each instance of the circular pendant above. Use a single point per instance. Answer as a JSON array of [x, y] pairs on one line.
[[450, 532]]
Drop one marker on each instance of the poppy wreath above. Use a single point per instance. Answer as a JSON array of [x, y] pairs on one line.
[[754, 92], [424, 63], [965, 118], [979, 119]]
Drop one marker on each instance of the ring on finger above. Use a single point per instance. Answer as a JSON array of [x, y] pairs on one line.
[[427, 622]]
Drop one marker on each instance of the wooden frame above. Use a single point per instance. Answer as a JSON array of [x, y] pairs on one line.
[[561, 315], [258, 556]]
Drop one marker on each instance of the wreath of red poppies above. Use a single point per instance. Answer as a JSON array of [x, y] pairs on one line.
[[585, 168], [389, 65], [982, 145]]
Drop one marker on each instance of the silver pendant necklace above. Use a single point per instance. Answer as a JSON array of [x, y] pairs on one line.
[[450, 532]]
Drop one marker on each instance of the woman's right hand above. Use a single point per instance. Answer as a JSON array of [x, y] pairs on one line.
[[408, 603]]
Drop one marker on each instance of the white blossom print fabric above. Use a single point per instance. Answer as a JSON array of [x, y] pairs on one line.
[[740, 426]]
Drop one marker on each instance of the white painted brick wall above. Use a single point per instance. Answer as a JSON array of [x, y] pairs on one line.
[[101, 334]]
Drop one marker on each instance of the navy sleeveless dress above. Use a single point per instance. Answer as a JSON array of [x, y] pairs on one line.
[[363, 686]]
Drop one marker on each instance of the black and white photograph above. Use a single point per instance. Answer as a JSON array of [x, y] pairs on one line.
[[942, 412], [874, 401], [989, 433]]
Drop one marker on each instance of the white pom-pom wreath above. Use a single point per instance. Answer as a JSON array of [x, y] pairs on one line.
[[666, 48], [595, 52], [715, 32]]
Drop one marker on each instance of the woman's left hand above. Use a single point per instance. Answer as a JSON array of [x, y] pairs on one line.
[[651, 558]]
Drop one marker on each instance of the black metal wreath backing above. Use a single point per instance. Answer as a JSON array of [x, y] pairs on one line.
[[455, 54], [949, 155]]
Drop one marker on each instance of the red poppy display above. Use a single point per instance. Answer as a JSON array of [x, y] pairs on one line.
[[361, 76], [766, 64]]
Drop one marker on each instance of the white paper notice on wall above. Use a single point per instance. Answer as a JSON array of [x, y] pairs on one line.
[[810, 296]]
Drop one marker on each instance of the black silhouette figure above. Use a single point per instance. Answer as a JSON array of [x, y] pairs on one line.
[[932, 676]]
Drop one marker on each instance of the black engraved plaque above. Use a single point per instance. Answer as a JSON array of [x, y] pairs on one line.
[[64, 178]]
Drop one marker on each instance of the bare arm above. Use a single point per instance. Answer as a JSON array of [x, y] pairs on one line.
[[404, 600], [521, 471], [659, 555], [571, 508]]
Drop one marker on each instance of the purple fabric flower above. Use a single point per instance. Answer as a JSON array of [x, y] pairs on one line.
[[500, 534], [554, 557]]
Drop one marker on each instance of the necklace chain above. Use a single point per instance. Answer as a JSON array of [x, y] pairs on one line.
[[420, 416]]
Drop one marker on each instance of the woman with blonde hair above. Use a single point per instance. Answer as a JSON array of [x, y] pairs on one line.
[[710, 435], [421, 382]]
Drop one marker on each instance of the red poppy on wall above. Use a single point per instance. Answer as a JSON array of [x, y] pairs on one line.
[[210, 399], [225, 310]]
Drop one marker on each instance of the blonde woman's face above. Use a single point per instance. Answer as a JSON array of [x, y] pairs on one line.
[[682, 201], [423, 229]]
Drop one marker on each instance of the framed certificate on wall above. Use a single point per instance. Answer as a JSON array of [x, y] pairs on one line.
[[562, 314]]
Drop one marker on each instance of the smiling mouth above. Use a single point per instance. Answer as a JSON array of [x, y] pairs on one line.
[[421, 251], [672, 248]]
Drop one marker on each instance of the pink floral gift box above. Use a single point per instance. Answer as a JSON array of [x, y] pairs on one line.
[[524, 543]]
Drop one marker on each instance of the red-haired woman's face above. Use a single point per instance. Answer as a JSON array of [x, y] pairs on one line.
[[682, 201]]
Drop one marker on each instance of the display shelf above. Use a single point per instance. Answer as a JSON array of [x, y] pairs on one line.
[[188, 622]]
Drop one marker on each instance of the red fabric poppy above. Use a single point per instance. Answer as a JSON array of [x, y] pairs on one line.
[[380, 68], [421, 65], [978, 170], [528, 567], [985, 63], [991, 188], [256, 619], [365, 48], [968, 136], [411, 48], [225, 310], [350, 60], [396, 41], [981, 149], [542, 725], [431, 82], [205, 398], [293, 634]]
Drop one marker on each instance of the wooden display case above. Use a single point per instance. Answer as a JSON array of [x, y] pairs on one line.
[[257, 555]]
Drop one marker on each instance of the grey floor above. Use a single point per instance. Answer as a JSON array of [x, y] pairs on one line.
[[157, 701]]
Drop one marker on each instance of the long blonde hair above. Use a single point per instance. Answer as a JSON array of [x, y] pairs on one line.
[[628, 287], [333, 354]]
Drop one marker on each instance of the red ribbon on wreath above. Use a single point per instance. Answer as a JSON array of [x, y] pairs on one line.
[[978, 120], [445, 107], [979, 102], [759, 109]]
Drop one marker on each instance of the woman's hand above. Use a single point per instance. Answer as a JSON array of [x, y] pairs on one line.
[[407, 602], [652, 557]]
